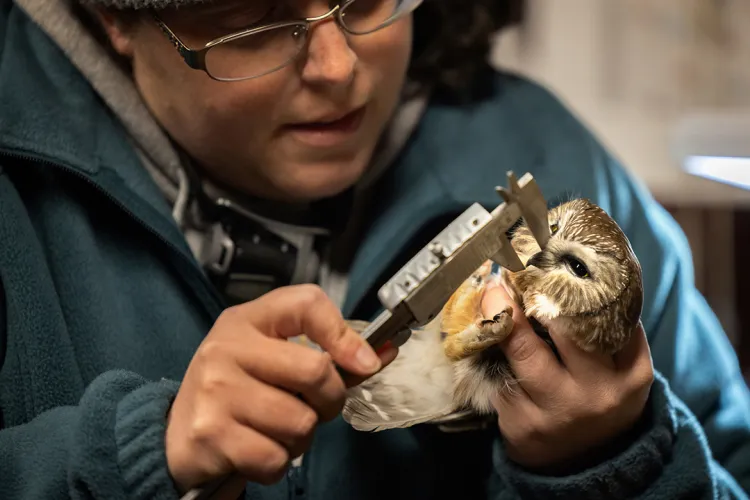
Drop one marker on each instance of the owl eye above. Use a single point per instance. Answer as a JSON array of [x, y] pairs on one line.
[[578, 267], [553, 228]]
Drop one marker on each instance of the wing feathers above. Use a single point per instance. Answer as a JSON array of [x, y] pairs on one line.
[[415, 388]]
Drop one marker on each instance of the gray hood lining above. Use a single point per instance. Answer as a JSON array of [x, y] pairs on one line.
[[75, 35]]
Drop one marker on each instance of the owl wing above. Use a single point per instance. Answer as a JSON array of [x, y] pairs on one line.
[[415, 388]]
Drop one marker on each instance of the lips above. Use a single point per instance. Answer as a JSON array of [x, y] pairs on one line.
[[339, 123], [328, 132]]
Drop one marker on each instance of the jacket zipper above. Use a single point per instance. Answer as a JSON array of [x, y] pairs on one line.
[[296, 479]]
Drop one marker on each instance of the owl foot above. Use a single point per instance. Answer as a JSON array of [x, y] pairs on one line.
[[479, 335]]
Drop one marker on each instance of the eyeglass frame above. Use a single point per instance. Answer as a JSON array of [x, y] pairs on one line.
[[196, 58]]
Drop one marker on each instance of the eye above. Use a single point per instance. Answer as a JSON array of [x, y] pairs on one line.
[[553, 228], [578, 267]]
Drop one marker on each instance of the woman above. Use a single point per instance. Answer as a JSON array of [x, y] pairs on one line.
[[161, 208]]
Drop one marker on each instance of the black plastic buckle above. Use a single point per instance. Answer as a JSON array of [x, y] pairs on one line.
[[244, 260]]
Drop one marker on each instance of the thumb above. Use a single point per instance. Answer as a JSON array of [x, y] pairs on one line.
[[530, 358], [306, 310]]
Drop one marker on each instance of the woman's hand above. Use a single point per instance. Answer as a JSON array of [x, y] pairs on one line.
[[558, 415], [237, 408]]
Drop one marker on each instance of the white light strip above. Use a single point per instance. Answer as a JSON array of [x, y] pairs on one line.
[[729, 170]]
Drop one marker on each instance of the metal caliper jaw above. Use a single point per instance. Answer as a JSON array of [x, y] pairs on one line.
[[420, 289]]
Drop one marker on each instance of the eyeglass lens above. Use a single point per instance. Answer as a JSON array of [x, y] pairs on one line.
[[269, 49]]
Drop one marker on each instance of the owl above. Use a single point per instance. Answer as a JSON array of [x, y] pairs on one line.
[[586, 284]]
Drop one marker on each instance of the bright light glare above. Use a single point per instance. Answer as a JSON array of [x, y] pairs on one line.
[[729, 170]]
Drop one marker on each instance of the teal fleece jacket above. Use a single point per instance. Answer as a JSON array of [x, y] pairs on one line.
[[102, 306]]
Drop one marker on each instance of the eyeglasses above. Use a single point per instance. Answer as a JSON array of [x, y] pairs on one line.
[[260, 50]]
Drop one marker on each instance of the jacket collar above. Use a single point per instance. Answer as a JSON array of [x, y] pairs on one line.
[[61, 121]]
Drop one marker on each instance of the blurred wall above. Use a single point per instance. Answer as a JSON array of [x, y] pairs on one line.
[[630, 68]]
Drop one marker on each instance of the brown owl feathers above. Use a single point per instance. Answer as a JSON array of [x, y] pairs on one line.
[[585, 284]]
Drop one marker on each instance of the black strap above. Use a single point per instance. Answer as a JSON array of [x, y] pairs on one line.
[[256, 262]]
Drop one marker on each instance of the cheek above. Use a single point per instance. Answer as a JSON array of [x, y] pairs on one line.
[[175, 93], [392, 45], [232, 111], [198, 110], [384, 57], [157, 69]]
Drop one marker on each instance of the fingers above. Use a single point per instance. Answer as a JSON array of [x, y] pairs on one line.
[[230, 489], [515, 429], [633, 352], [274, 413], [634, 360], [203, 443], [299, 369], [306, 309], [387, 355], [251, 400], [580, 363], [530, 358], [256, 457], [494, 300]]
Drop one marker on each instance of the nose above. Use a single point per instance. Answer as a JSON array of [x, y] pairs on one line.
[[535, 260], [329, 61]]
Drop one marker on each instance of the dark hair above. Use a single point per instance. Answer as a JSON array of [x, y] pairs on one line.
[[452, 41]]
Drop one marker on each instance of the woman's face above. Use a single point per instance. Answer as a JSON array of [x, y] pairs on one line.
[[303, 132]]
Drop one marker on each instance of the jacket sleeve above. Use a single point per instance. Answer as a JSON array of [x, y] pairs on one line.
[[111, 445], [107, 444], [695, 437]]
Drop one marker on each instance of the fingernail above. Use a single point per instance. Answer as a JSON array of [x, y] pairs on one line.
[[491, 307], [367, 359], [385, 347]]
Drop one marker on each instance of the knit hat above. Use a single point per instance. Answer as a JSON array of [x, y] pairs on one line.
[[141, 4]]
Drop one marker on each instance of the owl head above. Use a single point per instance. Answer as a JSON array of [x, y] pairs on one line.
[[587, 281]]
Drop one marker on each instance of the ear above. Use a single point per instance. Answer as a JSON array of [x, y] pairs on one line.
[[119, 29]]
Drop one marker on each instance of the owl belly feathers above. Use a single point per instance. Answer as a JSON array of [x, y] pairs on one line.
[[586, 284]]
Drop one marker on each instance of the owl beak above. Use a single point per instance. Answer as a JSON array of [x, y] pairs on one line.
[[535, 260]]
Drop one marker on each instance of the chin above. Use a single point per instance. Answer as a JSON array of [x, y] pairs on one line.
[[319, 180]]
